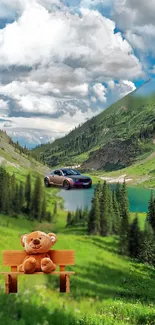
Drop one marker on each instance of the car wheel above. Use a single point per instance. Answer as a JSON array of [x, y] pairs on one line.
[[66, 185], [46, 182]]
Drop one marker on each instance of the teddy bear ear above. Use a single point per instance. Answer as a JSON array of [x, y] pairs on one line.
[[23, 239], [53, 237]]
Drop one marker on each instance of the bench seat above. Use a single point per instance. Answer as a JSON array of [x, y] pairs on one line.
[[14, 258]]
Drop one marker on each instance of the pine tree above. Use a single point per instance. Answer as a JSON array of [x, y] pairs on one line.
[[3, 188], [94, 217], [17, 200], [135, 239], [116, 218], [77, 216], [28, 194], [105, 222], [21, 196], [49, 216], [37, 199], [85, 214], [151, 212], [43, 209], [147, 252], [6, 195], [98, 189], [118, 194], [55, 209], [124, 228], [69, 218], [13, 191], [110, 209]]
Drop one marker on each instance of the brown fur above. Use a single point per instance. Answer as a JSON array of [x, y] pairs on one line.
[[37, 244]]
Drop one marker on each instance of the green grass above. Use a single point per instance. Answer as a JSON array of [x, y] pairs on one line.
[[107, 288]]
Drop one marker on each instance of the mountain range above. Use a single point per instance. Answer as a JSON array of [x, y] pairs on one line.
[[114, 139]]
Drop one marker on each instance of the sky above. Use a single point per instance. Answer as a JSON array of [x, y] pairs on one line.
[[63, 62]]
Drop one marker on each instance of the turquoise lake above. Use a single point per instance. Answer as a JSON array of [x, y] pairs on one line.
[[138, 198]]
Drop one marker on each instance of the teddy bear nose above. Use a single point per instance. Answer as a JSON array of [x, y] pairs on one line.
[[36, 241]]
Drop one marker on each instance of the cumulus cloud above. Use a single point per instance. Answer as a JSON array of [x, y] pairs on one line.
[[100, 92], [120, 89], [57, 66], [137, 20]]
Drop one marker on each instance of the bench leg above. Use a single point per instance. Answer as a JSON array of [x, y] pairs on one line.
[[11, 283], [65, 283]]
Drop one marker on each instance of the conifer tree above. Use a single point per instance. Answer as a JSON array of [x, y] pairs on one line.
[[6, 195], [17, 199], [151, 212], [28, 193], [13, 190], [55, 209], [37, 199], [116, 218], [118, 194], [147, 252], [49, 216], [98, 189], [21, 196], [85, 214], [135, 239], [94, 217], [3, 188], [105, 222], [124, 228], [43, 209], [69, 218]]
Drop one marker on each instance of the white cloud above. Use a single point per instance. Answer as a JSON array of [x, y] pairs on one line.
[[137, 20], [93, 99], [56, 57], [121, 88], [100, 92], [84, 42]]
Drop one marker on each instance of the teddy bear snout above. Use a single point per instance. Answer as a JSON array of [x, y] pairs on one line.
[[36, 241]]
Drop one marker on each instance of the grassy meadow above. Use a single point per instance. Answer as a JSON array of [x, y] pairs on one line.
[[106, 289]]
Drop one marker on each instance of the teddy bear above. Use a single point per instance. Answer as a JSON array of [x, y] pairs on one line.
[[37, 244]]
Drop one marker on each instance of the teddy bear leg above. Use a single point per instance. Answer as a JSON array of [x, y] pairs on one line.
[[47, 265], [29, 265]]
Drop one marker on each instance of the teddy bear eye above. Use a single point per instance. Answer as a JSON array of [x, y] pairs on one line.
[[31, 239], [39, 237]]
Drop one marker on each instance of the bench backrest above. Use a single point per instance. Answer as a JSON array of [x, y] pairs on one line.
[[59, 257]]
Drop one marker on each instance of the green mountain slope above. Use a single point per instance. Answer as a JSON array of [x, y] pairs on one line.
[[112, 140], [13, 155]]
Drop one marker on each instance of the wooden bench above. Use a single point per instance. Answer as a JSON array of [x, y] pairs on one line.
[[14, 258]]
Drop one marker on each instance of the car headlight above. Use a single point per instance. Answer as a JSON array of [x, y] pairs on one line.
[[75, 179]]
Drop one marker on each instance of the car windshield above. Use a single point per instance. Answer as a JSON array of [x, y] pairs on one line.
[[70, 172]]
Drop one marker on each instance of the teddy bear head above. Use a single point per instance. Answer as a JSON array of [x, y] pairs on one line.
[[38, 242]]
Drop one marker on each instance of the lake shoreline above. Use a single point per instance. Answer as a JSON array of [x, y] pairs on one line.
[[116, 179]]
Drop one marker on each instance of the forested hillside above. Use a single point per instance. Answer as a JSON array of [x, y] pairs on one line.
[[114, 139], [12, 154]]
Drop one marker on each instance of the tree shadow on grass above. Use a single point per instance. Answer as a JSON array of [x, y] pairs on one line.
[[14, 310], [111, 247], [106, 282]]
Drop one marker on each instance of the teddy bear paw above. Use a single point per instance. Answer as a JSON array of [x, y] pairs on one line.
[[47, 265], [29, 265]]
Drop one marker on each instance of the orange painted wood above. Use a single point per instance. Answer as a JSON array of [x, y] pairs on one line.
[[22, 273], [7, 283], [62, 279], [67, 276], [14, 285], [59, 257]]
